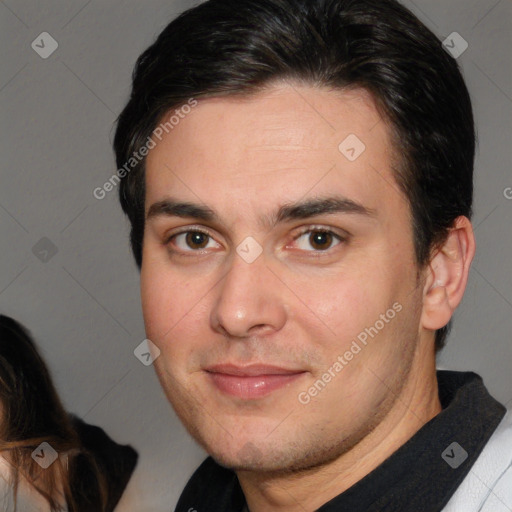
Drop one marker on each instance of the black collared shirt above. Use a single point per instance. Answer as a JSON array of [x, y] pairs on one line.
[[420, 476]]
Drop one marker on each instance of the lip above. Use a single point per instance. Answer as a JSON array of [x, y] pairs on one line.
[[252, 381]]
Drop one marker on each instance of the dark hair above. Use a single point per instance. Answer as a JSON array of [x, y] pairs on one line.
[[239, 47], [31, 413]]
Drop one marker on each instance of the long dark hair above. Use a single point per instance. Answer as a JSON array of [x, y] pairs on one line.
[[31, 413]]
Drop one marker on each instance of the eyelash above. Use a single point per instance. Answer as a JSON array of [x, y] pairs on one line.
[[309, 229]]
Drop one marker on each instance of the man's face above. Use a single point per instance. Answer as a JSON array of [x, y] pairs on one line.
[[249, 345]]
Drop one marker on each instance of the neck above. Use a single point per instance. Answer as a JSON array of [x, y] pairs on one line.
[[309, 489]]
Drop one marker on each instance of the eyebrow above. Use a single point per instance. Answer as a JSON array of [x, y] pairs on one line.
[[291, 211]]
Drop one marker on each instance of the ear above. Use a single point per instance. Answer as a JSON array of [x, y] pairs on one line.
[[447, 275]]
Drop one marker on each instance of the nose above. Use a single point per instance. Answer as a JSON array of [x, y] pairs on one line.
[[249, 300]]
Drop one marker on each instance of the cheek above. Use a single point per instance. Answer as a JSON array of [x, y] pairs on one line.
[[162, 300], [173, 313], [345, 304], [153, 299]]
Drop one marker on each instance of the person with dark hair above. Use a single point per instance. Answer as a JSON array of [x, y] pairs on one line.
[[298, 176], [50, 460]]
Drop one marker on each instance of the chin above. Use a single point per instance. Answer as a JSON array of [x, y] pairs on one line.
[[249, 458]]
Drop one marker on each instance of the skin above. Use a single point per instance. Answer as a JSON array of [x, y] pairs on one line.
[[296, 306]]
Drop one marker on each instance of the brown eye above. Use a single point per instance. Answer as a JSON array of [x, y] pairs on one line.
[[196, 239], [190, 241], [320, 240]]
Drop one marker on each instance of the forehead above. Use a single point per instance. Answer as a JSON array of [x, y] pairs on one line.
[[273, 147]]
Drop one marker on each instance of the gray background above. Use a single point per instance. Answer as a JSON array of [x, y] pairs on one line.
[[82, 304]]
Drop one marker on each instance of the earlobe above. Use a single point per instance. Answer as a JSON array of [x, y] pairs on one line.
[[447, 275]]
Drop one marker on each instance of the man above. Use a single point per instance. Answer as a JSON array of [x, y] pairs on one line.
[[298, 178]]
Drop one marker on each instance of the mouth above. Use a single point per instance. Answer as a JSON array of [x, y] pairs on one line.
[[253, 381]]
